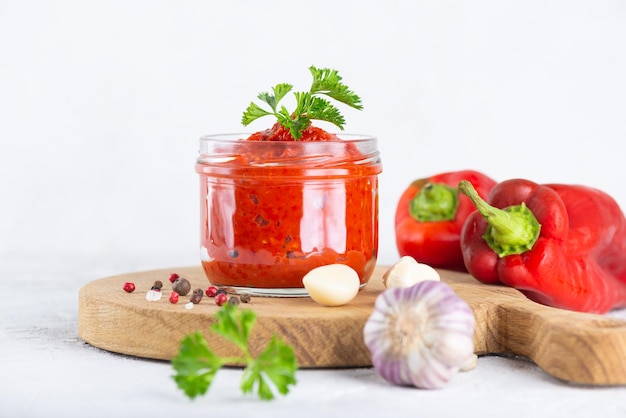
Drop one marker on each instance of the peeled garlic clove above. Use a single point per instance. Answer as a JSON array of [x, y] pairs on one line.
[[407, 272], [332, 285], [420, 335]]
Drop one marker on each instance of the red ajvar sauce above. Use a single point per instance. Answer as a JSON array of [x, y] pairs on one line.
[[273, 211]]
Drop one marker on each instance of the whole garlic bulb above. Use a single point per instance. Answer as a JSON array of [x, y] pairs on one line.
[[420, 335]]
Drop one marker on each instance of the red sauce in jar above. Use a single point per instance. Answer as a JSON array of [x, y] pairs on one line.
[[273, 209]]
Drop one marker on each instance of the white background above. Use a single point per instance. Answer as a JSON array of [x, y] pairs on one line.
[[102, 103]]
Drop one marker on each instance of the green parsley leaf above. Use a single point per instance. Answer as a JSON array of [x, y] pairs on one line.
[[234, 325], [252, 113], [273, 368], [280, 90], [196, 365], [327, 81], [321, 109], [309, 106]]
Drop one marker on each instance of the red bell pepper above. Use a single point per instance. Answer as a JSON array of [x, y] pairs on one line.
[[430, 215], [561, 245]]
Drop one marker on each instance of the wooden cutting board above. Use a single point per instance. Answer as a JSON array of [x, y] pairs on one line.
[[576, 347]]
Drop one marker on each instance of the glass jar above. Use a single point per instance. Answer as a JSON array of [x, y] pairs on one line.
[[271, 211]]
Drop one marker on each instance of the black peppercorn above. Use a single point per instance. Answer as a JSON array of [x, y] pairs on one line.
[[233, 300], [195, 298], [245, 298], [157, 285], [181, 286]]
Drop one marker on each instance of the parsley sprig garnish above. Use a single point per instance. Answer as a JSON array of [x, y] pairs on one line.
[[196, 365], [309, 104]]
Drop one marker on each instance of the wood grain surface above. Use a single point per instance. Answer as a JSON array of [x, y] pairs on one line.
[[572, 346]]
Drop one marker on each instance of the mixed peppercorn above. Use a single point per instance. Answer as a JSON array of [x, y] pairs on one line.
[[181, 287]]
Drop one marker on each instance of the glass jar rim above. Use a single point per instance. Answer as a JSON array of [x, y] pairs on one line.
[[237, 137], [233, 151]]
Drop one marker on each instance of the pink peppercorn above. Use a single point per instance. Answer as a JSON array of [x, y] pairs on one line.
[[173, 277], [221, 299], [129, 287], [173, 297], [211, 291]]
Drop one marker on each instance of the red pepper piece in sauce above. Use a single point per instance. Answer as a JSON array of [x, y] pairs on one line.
[[430, 215], [279, 133], [561, 245]]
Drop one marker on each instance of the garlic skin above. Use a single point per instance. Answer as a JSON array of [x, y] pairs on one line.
[[421, 335], [470, 364], [407, 272]]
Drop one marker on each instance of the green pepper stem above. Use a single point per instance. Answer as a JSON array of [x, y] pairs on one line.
[[434, 202], [513, 230]]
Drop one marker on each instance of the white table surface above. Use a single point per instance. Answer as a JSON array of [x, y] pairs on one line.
[[47, 371]]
